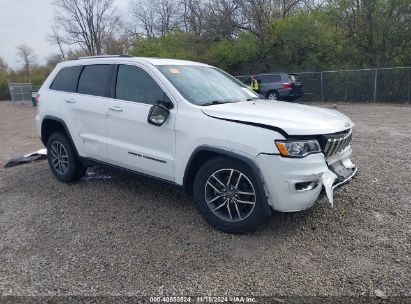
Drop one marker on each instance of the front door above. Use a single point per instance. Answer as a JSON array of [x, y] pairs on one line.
[[132, 142]]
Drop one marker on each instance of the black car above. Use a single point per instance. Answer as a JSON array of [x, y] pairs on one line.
[[278, 86]]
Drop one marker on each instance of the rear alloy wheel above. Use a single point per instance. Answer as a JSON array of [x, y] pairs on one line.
[[59, 157], [273, 95], [227, 194], [63, 162]]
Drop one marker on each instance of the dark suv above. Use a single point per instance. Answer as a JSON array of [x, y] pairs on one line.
[[278, 86]]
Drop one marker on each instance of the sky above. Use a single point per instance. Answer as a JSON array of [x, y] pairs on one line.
[[29, 22]]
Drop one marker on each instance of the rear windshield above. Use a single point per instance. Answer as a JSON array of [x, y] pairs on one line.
[[292, 77]]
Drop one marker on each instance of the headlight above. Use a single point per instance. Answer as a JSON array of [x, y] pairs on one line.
[[297, 148]]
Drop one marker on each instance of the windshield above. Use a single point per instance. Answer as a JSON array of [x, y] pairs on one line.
[[203, 85]]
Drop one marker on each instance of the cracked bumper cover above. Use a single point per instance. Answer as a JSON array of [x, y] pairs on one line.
[[282, 174], [338, 174]]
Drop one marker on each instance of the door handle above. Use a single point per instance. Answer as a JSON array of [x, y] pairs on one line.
[[70, 100], [115, 108]]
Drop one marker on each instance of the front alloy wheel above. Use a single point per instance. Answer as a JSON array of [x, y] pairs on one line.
[[229, 196]]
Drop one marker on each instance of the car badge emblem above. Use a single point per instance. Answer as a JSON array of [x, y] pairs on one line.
[[347, 124]]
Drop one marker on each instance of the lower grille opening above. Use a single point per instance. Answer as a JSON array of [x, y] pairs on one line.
[[306, 186]]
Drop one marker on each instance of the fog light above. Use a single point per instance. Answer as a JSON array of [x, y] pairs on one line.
[[306, 186]]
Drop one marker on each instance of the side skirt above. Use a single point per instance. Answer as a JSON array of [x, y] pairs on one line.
[[90, 162]]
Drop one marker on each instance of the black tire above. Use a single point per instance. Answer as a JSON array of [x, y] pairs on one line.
[[72, 169], [272, 95], [257, 214]]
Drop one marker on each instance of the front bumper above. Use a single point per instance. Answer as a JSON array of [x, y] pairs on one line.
[[282, 177]]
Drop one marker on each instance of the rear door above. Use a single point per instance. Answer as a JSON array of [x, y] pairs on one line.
[[296, 84], [133, 143], [62, 88], [263, 80], [85, 111]]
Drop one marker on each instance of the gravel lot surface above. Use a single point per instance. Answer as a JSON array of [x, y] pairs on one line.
[[126, 235]]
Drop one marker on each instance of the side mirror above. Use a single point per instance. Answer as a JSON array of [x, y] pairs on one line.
[[159, 113]]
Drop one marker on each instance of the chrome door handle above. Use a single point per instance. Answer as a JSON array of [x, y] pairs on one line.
[[115, 108], [70, 100]]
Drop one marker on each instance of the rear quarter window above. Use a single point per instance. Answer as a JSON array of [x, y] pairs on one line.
[[66, 79], [94, 80]]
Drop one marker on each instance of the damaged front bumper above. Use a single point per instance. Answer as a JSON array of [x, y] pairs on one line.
[[294, 184], [339, 172]]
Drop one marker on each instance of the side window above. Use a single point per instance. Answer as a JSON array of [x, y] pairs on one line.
[[94, 80], [276, 78], [135, 84], [264, 78], [66, 79], [247, 81]]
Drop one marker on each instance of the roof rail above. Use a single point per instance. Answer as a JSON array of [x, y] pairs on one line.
[[103, 56]]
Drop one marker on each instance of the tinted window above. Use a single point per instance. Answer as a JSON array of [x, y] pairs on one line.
[[135, 84], [275, 78], [66, 79], [247, 81], [94, 79]]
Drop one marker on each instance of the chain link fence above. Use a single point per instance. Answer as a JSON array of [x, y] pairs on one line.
[[365, 85], [21, 91]]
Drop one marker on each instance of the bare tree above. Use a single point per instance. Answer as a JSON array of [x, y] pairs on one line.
[[166, 11], [288, 6], [53, 59], [3, 66], [86, 23], [193, 15], [56, 38], [27, 56], [155, 17], [144, 17], [257, 16], [223, 17]]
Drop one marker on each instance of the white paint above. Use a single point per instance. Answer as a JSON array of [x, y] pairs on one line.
[[110, 136]]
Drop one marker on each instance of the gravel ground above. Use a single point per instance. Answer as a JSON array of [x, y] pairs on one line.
[[126, 235]]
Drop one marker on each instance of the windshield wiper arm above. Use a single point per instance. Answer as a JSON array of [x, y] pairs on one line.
[[214, 102]]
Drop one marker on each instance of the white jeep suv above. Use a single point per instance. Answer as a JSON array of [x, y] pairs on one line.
[[195, 126]]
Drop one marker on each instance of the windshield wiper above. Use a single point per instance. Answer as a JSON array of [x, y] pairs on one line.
[[253, 98], [214, 102]]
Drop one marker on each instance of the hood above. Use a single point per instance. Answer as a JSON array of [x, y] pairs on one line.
[[292, 118]]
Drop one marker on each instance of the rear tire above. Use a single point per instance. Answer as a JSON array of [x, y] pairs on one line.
[[228, 196], [273, 95], [62, 159]]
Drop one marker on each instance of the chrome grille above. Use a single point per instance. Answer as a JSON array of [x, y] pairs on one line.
[[334, 145]]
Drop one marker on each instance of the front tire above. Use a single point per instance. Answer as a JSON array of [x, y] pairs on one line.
[[228, 196], [62, 159]]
